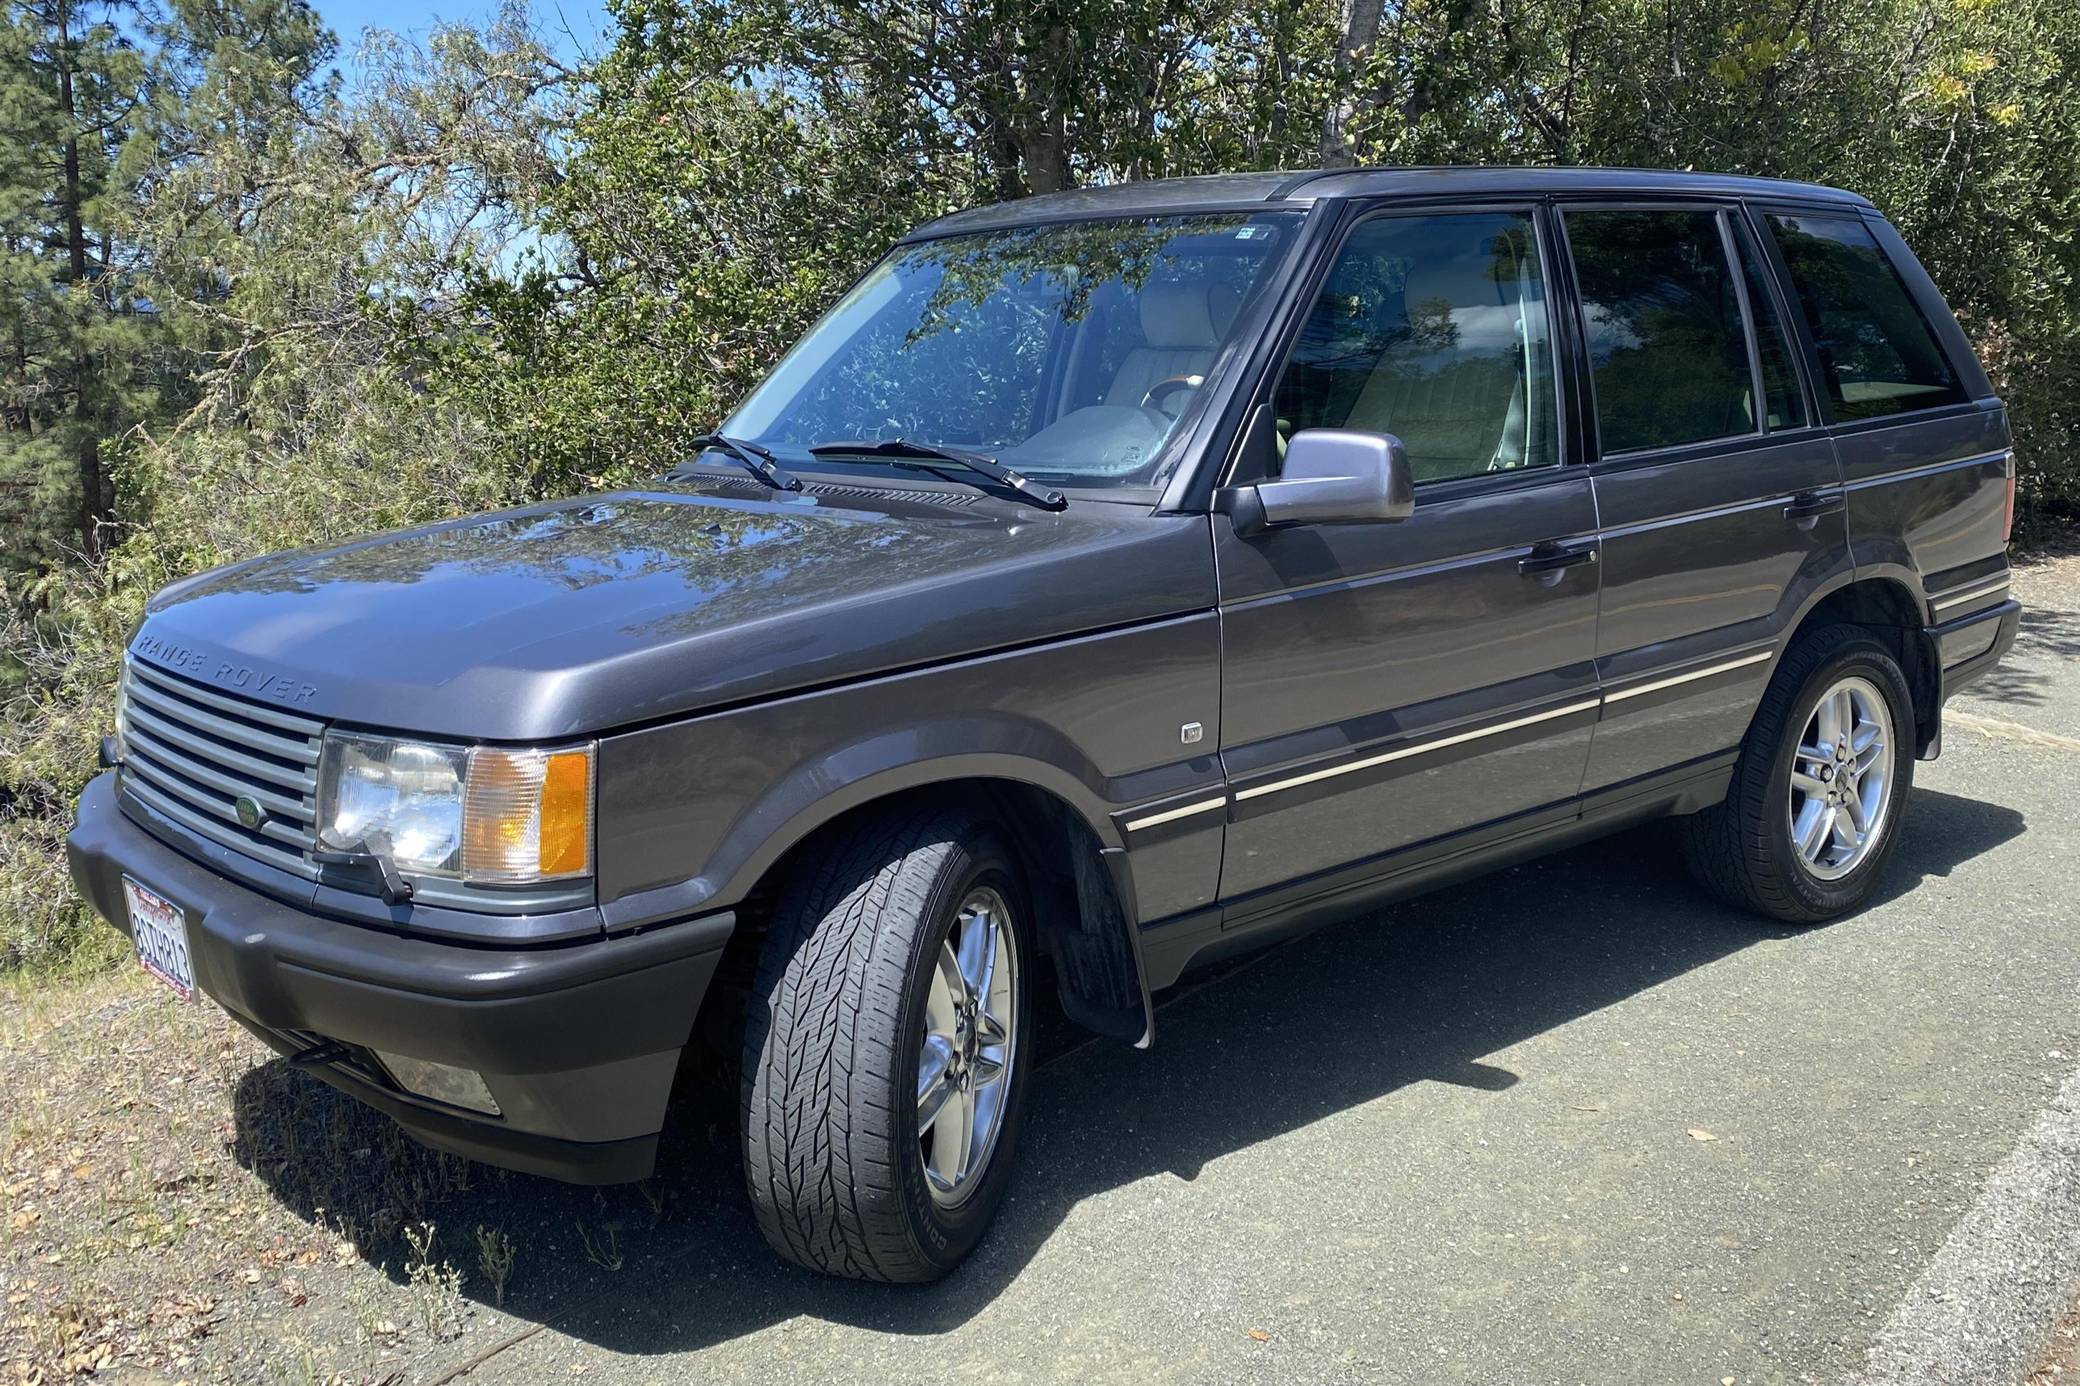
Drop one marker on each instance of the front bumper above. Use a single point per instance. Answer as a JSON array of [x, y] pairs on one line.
[[578, 1043]]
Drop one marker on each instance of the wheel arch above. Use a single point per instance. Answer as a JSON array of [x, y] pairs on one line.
[[1887, 605], [1081, 901]]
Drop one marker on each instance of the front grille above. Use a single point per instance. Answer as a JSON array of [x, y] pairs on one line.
[[192, 753]]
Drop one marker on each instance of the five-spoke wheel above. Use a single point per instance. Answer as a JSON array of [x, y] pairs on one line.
[[1841, 780], [970, 1034]]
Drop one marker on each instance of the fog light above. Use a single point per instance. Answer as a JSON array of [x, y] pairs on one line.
[[458, 1087]]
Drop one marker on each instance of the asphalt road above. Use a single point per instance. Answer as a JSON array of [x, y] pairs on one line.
[[1570, 1123]]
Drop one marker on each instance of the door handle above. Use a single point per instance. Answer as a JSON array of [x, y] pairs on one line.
[[1806, 509], [1549, 562]]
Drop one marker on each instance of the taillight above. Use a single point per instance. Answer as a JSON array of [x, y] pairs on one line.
[[2008, 515]]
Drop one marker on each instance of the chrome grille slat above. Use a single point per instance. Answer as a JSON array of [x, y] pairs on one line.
[[231, 785], [237, 733], [219, 833], [299, 727], [249, 767], [205, 802], [191, 753]]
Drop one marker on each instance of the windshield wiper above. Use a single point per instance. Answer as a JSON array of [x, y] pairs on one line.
[[927, 457], [757, 460]]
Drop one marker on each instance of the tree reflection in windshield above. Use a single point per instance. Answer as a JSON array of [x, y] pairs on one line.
[[1069, 350]]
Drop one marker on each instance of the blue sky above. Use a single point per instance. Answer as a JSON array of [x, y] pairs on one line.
[[571, 28]]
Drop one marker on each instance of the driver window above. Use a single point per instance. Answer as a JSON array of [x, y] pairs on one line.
[[1434, 329]]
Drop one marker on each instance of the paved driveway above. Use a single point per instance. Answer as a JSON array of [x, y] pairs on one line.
[[1570, 1123]]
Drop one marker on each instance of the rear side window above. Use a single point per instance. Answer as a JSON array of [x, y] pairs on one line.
[[1877, 355], [1668, 352]]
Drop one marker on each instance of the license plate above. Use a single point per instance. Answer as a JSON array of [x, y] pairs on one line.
[[161, 934]]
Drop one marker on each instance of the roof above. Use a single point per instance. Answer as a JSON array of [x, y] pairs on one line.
[[1243, 191]]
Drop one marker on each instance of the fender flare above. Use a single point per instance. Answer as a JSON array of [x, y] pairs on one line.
[[822, 787]]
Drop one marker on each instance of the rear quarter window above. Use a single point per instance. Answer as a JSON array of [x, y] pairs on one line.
[[1877, 355]]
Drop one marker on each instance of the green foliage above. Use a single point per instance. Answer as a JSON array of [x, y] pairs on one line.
[[75, 348], [248, 305]]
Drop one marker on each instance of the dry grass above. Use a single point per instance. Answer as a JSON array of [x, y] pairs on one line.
[[176, 1201]]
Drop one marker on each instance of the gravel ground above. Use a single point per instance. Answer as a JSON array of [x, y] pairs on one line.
[[1570, 1123]]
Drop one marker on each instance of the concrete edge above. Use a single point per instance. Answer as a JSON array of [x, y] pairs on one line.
[[1984, 1307]]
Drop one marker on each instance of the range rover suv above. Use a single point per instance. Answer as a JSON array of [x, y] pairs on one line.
[[1111, 581]]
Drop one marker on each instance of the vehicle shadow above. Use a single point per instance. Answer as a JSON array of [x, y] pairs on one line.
[[2046, 638], [1422, 991]]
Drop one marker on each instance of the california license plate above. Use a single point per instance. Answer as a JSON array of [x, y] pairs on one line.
[[160, 931]]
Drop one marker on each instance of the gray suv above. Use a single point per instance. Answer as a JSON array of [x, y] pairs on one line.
[[1111, 582]]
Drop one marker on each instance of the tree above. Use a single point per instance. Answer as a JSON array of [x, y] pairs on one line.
[[76, 335]]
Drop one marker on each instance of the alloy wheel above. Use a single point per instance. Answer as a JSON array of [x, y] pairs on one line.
[[1841, 779], [968, 1046]]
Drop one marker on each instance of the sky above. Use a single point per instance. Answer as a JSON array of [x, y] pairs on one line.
[[571, 28]]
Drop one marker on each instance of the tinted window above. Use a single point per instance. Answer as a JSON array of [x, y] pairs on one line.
[[1787, 405], [1667, 347], [1067, 350], [1433, 329], [1877, 355]]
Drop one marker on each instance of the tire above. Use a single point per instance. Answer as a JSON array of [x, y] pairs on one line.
[[1742, 849], [852, 972]]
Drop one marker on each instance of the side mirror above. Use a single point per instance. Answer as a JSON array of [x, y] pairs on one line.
[[1331, 476]]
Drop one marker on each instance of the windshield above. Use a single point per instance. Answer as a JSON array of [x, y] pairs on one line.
[[1066, 351]]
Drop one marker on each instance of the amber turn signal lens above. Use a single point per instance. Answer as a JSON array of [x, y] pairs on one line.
[[566, 809], [528, 815]]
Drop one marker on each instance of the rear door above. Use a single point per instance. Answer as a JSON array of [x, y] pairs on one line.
[[1923, 440], [1720, 500], [1393, 684]]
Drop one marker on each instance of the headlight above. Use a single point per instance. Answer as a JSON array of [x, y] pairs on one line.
[[483, 814]]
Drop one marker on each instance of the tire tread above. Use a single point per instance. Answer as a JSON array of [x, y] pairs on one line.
[[820, 1048]]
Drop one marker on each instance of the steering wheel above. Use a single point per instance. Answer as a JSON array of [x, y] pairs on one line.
[[1165, 388]]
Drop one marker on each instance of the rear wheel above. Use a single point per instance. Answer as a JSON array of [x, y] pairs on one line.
[[884, 1052], [1813, 812]]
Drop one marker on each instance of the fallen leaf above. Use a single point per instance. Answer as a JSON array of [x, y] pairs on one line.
[[1698, 1133], [1258, 1335]]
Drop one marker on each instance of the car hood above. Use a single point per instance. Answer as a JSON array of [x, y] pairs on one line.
[[583, 615]]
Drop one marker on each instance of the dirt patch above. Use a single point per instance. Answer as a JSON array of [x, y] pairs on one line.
[[2061, 1361], [178, 1201]]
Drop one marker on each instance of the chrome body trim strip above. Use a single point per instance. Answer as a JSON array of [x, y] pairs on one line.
[[1172, 815], [1973, 592], [1416, 749], [1672, 680]]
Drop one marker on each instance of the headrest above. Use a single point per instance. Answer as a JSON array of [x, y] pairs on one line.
[[1188, 315]]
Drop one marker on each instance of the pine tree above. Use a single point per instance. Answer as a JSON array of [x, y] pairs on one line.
[[73, 333]]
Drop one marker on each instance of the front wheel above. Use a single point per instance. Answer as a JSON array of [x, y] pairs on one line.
[[1813, 812], [885, 1051]]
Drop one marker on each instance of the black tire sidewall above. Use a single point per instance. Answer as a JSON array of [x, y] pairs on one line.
[[1869, 660], [945, 1235]]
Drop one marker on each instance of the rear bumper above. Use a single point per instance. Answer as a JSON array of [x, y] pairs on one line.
[[577, 1043], [1970, 645]]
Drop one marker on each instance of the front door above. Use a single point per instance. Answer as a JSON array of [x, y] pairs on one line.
[[1386, 685]]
